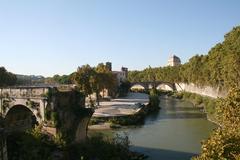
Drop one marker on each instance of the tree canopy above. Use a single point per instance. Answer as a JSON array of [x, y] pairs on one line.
[[7, 78], [95, 79]]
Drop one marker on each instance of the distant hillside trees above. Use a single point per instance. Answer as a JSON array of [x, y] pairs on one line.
[[29, 79], [219, 68], [57, 79], [7, 78]]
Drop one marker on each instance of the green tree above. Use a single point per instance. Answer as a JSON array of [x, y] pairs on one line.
[[85, 78], [224, 142], [7, 78], [105, 79]]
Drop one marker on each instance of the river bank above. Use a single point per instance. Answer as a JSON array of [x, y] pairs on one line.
[[207, 104]]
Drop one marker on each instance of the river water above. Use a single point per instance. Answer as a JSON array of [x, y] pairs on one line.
[[174, 133]]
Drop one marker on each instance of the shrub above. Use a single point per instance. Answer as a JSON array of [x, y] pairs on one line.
[[198, 99], [102, 148], [224, 142], [154, 101]]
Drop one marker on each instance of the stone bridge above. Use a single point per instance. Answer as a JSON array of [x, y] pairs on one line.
[[58, 110], [160, 85]]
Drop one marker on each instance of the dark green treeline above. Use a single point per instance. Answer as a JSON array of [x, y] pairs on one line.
[[6, 78]]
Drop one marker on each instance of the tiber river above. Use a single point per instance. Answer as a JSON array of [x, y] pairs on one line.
[[174, 133]]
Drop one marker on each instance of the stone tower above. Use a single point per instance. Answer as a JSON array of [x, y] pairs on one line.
[[174, 61]]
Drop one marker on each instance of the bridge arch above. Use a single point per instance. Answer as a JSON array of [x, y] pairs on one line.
[[165, 87], [137, 87], [20, 118]]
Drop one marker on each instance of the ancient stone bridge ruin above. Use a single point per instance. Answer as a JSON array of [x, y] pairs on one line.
[[58, 110]]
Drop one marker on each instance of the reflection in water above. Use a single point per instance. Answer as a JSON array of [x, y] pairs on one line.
[[174, 133]]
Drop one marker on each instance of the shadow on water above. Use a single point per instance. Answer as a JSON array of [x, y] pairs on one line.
[[153, 116], [178, 109], [187, 109], [179, 114], [184, 116], [163, 154], [130, 100]]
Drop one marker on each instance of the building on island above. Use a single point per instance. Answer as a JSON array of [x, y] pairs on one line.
[[121, 75], [174, 61]]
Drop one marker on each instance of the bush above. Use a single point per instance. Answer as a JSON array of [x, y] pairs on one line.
[[33, 145], [224, 142], [186, 95], [222, 145], [30, 145], [198, 99], [178, 95], [102, 148], [210, 106], [154, 100]]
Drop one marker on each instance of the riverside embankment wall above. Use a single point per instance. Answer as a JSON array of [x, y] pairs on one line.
[[203, 90]]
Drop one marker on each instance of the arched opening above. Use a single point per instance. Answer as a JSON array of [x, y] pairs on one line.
[[164, 87], [137, 87], [19, 118]]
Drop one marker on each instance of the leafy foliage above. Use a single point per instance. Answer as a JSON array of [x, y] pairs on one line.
[[30, 145], [228, 110], [224, 142], [34, 145], [97, 79], [154, 100], [7, 78], [98, 147], [85, 78], [57, 79]]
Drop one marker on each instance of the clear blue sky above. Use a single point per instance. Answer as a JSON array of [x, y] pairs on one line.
[[47, 37]]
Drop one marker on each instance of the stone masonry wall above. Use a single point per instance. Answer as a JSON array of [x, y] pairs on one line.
[[205, 91]]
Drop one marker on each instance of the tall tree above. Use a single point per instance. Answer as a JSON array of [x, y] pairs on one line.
[[85, 78], [7, 78], [105, 79]]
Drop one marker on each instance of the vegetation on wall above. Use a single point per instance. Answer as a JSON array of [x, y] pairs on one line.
[[219, 68]]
